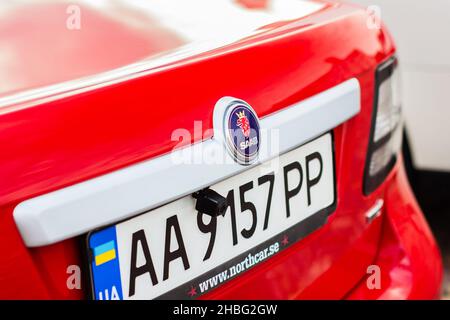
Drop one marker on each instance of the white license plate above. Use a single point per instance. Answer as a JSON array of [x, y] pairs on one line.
[[175, 252]]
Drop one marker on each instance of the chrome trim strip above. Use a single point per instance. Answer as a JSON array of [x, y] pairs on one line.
[[110, 198], [375, 210]]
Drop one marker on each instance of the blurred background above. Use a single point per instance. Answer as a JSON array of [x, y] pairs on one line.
[[421, 30]]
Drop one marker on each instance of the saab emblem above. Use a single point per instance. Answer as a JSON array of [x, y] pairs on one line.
[[237, 124]]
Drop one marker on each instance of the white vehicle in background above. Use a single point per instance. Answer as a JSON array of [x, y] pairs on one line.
[[422, 33]]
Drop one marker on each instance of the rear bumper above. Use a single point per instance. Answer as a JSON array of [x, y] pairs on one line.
[[408, 258]]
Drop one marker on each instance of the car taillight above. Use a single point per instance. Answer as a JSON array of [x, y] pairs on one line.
[[386, 132]]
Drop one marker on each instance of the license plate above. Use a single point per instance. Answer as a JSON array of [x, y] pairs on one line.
[[175, 252]]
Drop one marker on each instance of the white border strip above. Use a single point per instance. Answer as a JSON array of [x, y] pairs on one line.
[[110, 198]]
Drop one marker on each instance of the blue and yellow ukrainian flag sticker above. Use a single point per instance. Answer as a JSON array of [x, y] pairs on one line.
[[105, 252], [105, 266]]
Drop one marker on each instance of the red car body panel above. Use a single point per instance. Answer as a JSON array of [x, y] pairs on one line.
[[53, 140]]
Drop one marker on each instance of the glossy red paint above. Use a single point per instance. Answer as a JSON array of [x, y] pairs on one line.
[[58, 140], [40, 50], [409, 260]]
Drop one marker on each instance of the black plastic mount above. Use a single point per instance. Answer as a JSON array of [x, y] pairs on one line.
[[210, 202]]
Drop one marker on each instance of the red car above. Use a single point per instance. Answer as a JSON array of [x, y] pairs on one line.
[[205, 149]]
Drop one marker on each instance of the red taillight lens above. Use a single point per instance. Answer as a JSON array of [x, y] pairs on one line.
[[386, 132]]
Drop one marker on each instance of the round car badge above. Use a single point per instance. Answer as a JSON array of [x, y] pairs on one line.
[[240, 129]]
